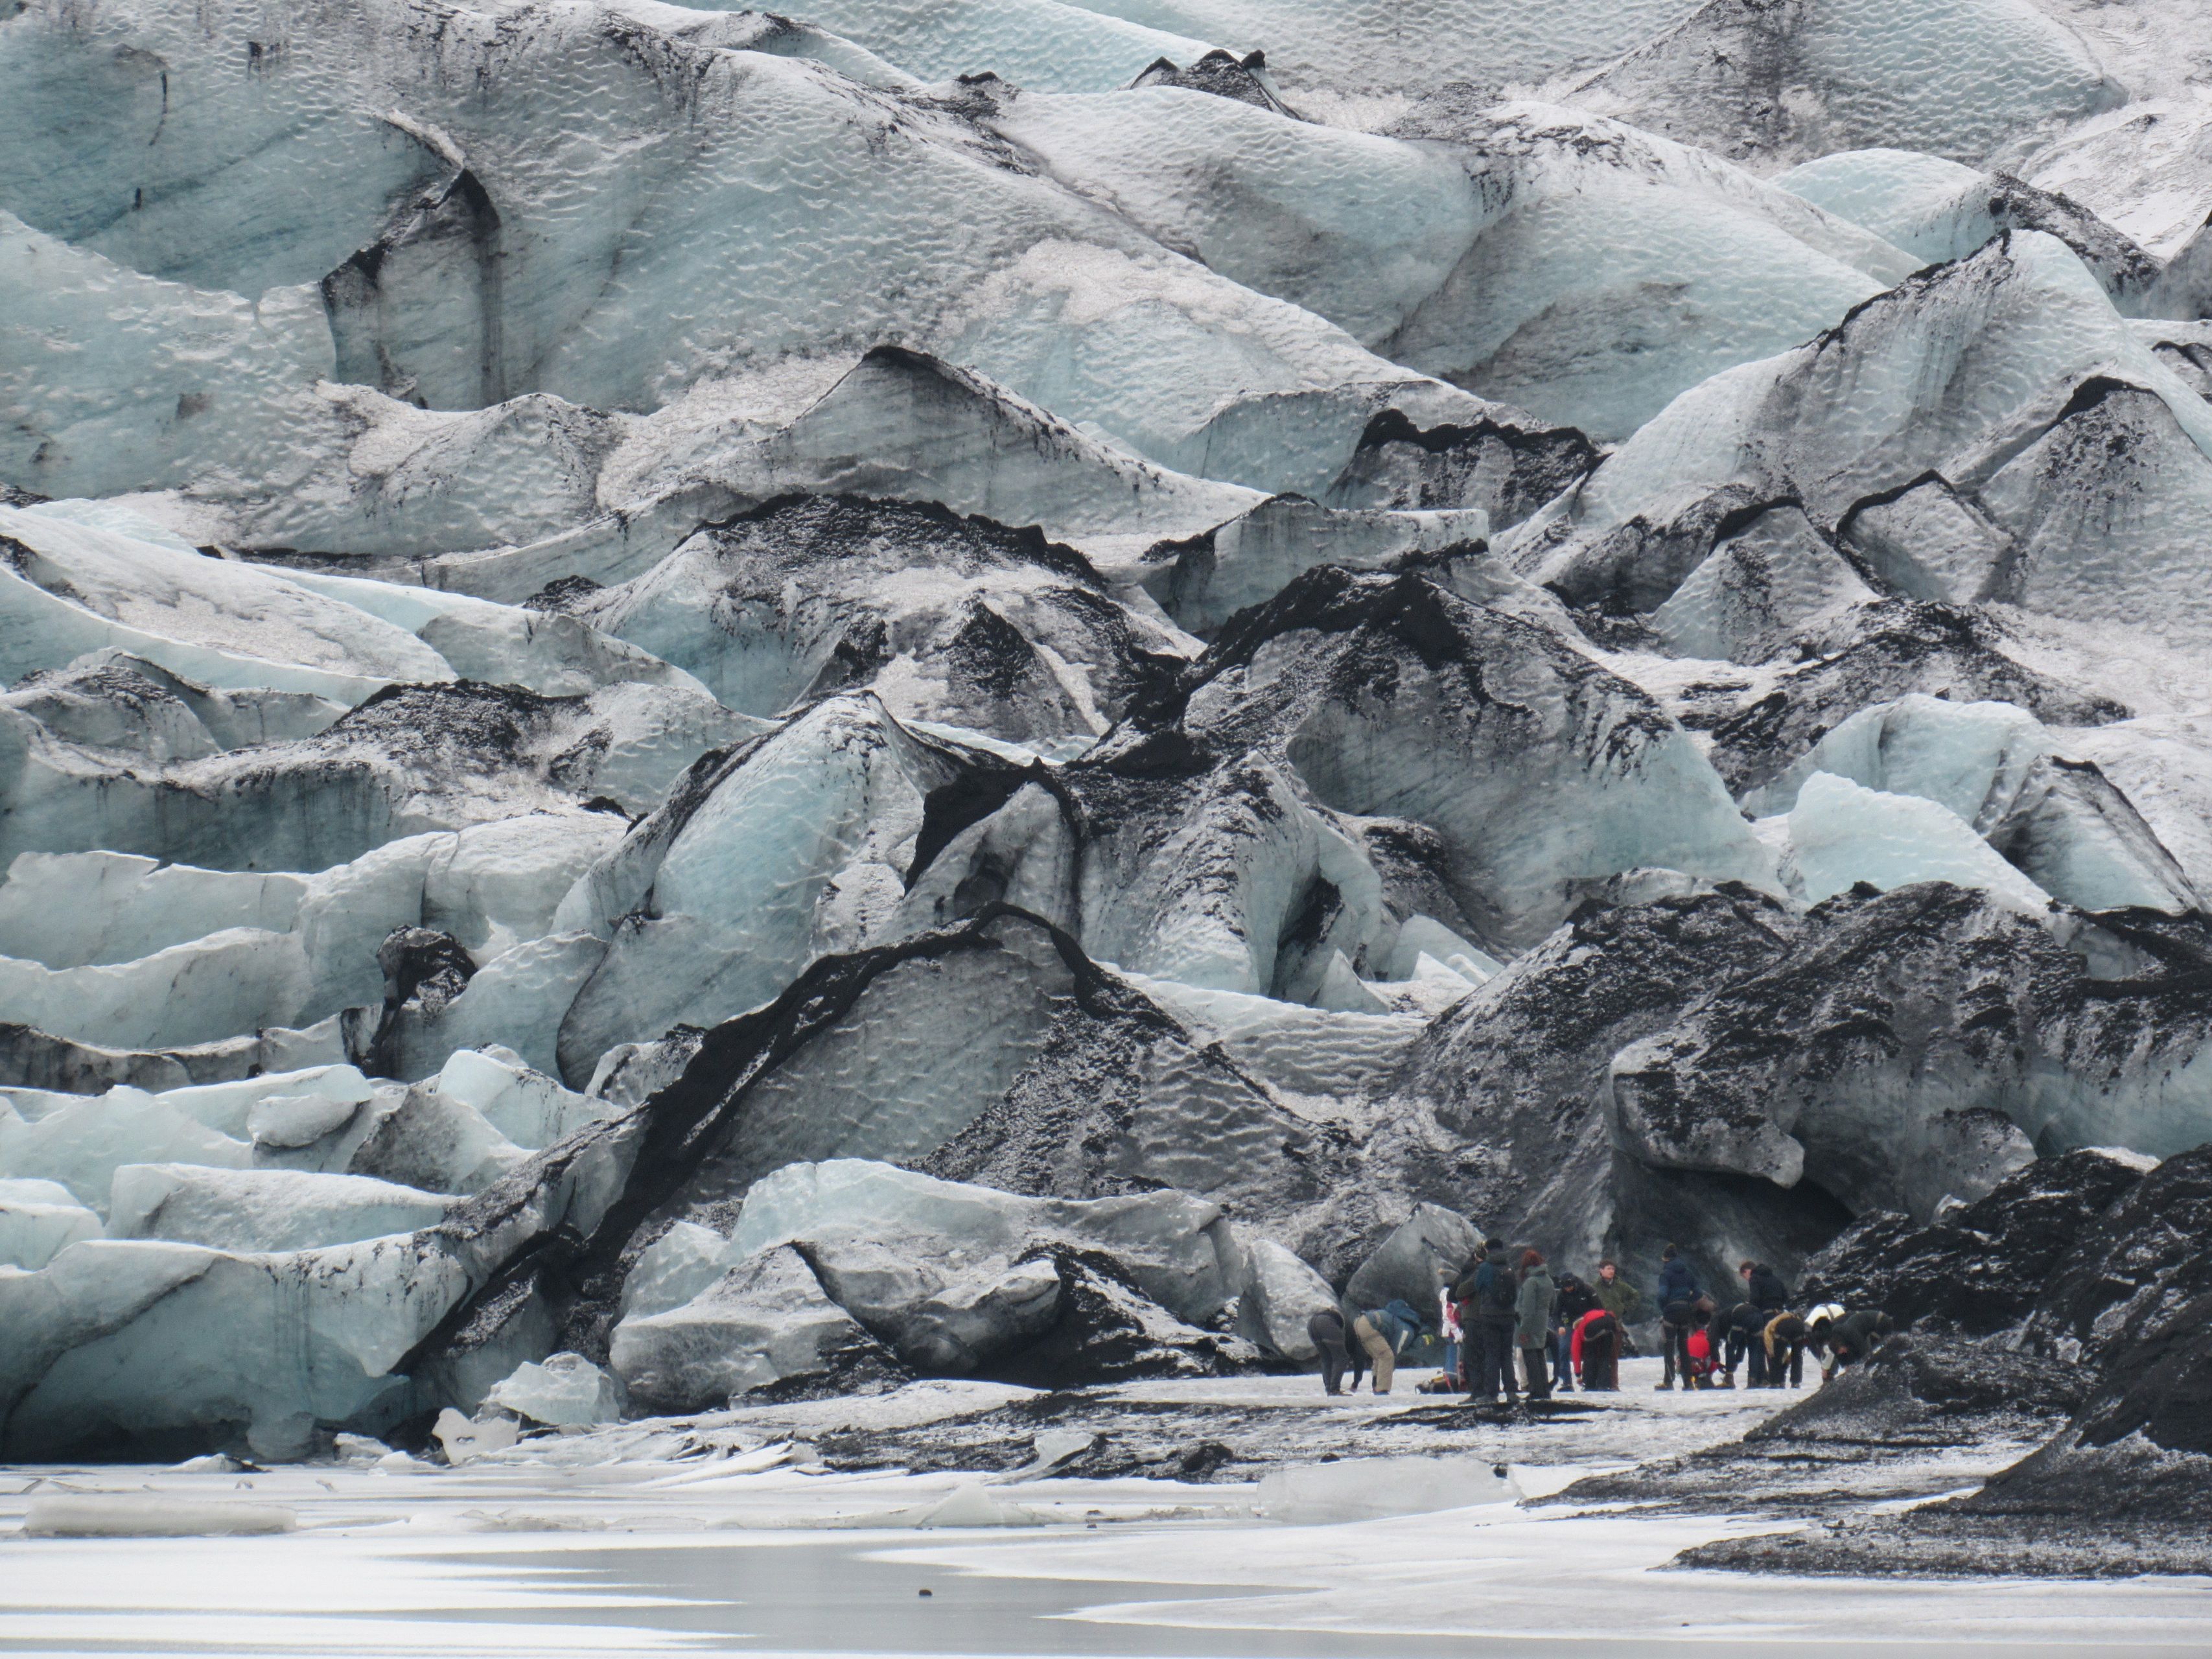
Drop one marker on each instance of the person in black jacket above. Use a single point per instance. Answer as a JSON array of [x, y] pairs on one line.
[[1763, 1288], [1330, 1336], [1676, 1282], [1492, 1294], [1737, 1331], [1676, 1321], [1575, 1298], [1848, 1340]]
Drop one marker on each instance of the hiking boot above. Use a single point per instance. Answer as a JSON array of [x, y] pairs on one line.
[[1662, 1387]]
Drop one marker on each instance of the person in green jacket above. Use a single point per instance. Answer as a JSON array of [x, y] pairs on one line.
[[1620, 1298], [1533, 1314]]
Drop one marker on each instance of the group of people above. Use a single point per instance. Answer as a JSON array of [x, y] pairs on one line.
[[1568, 1331], [1707, 1340]]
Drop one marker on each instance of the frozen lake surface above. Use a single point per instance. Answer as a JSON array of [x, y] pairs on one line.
[[606, 1544]]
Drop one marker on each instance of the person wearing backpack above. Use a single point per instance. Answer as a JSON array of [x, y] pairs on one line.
[[1385, 1332], [1494, 1291]]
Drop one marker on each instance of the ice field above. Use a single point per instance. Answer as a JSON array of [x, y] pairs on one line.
[[591, 1544]]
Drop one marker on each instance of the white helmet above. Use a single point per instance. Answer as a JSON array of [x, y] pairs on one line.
[[1826, 1314]]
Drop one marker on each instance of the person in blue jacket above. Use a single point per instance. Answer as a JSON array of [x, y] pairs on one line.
[[1385, 1332], [1678, 1298]]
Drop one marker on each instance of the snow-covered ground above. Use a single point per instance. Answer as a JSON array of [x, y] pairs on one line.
[[633, 1541]]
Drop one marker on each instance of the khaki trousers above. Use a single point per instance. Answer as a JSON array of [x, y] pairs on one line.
[[1379, 1357]]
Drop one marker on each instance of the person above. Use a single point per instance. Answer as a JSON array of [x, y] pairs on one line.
[[1676, 1282], [1783, 1339], [1384, 1332], [1533, 1320], [1763, 1287], [1699, 1359], [1448, 1321], [1736, 1330], [1596, 1350], [1846, 1339], [1575, 1299], [1616, 1295], [1327, 1333], [1677, 1319], [1495, 1292]]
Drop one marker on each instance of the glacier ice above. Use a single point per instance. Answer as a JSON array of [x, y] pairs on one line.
[[766, 1321], [1769, 83], [254, 1210], [566, 1390], [1997, 767], [721, 702], [1409, 1263], [1841, 834], [40, 1218], [1939, 211], [2030, 484], [947, 619], [1275, 1298], [1165, 1241]]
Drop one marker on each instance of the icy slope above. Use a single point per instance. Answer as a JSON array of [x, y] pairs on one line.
[[1988, 430], [1779, 83]]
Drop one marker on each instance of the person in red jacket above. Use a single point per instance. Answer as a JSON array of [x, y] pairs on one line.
[[1596, 1349], [1699, 1361]]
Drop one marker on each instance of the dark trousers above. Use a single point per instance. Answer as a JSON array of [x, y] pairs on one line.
[[1790, 1359], [1601, 1360], [1493, 1360], [1538, 1367], [1740, 1348], [1328, 1334], [1674, 1343]]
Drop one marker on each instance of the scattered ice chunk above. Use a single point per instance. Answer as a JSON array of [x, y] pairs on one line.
[[149, 1515], [1279, 1294], [1164, 1241], [1367, 1488], [1407, 1264], [566, 1390], [970, 1505], [765, 1321], [462, 1439]]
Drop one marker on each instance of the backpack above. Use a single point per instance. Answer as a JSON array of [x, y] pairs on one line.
[[1504, 1290]]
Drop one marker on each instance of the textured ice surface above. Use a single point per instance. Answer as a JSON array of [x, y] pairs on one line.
[[1841, 834], [1996, 766], [1989, 430], [643, 598], [1777, 84], [567, 1389], [947, 619], [258, 1210]]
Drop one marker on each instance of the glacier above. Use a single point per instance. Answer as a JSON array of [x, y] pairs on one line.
[[705, 712]]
